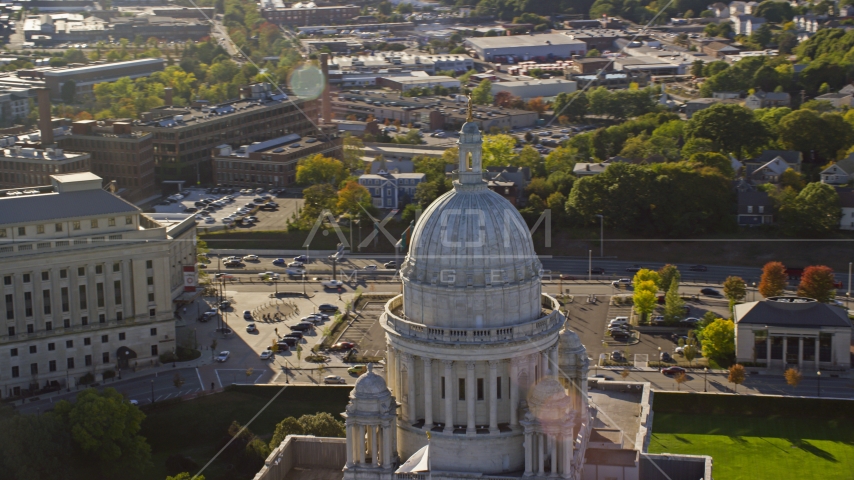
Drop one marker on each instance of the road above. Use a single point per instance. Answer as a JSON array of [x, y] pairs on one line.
[[754, 384]]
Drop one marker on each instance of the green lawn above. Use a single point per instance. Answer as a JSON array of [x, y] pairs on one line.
[[766, 447], [197, 428]]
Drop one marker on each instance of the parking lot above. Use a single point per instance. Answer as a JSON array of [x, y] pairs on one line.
[[267, 219]]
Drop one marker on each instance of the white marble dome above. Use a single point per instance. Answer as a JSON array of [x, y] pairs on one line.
[[471, 260], [369, 386]]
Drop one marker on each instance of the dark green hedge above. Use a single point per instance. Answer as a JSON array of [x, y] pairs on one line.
[[692, 403]]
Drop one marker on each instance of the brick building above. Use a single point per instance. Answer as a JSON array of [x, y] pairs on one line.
[[22, 167], [305, 14]]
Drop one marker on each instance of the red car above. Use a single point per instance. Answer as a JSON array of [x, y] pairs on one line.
[[340, 346], [672, 370]]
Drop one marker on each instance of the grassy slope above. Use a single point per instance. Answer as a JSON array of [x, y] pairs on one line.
[[195, 428], [787, 446]]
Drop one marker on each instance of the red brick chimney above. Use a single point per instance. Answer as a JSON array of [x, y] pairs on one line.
[[327, 101], [45, 124], [167, 96]]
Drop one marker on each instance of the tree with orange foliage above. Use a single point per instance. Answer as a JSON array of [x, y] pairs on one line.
[[537, 105], [774, 279], [817, 282]]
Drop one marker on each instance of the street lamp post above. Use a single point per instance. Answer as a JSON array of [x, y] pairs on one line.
[[601, 235], [849, 279], [705, 379], [753, 293], [818, 385], [152, 391]]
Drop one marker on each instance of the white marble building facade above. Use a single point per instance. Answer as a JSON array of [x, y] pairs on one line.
[[475, 349]]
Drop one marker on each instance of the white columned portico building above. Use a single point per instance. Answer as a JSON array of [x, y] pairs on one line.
[[470, 339]]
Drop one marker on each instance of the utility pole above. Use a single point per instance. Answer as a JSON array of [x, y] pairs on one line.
[[589, 263], [601, 235]]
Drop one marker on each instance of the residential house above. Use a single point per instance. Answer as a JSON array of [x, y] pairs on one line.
[[840, 173], [726, 95], [838, 100], [847, 89], [796, 332], [762, 99], [590, 169], [509, 182], [846, 11], [721, 10], [737, 8], [792, 157], [807, 23], [746, 24], [381, 166], [755, 207], [719, 50], [846, 204], [770, 172], [750, 7], [392, 190]]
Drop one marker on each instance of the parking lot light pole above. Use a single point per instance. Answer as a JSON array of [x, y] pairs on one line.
[[601, 235], [705, 379], [818, 385], [152, 391]]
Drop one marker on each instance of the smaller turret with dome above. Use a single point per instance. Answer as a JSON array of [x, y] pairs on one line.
[[371, 421]]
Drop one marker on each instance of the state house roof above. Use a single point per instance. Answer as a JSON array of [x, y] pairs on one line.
[[56, 206], [791, 314]]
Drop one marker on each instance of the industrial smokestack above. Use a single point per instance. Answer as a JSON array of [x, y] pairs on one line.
[[327, 101], [45, 125], [167, 96]]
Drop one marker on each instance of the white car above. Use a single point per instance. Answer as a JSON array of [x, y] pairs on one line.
[[251, 328], [622, 281], [209, 220], [370, 267], [273, 275], [227, 221], [223, 356], [251, 258], [332, 379], [266, 354], [619, 321], [332, 283], [296, 265]]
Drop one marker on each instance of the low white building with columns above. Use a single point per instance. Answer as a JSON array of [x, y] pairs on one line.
[[474, 351]]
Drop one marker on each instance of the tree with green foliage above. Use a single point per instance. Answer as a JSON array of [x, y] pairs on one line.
[[647, 275], [735, 290], [482, 94], [733, 127], [718, 340], [813, 212], [667, 274], [674, 306], [322, 425], [104, 430], [718, 161], [288, 426], [574, 105], [498, 150], [318, 169], [644, 300], [25, 434], [186, 476]]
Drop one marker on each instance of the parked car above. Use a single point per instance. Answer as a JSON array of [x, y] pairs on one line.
[[247, 315], [672, 370], [223, 356], [297, 335], [266, 354], [251, 328], [657, 320], [617, 356], [370, 267], [697, 268], [225, 305], [391, 264], [357, 369], [711, 292], [634, 269], [301, 327], [690, 321], [327, 307], [618, 321], [334, 379], [623, 281], [342, 346], [288, 342], [665, 357]]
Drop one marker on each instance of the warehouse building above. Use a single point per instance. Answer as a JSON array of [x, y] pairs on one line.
[[528, 89], [526, 47], [403, 84]]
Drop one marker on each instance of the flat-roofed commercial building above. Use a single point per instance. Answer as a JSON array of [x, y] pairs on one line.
[[184, 138], [117, 153], [22, 167], [272, 163], [527, 47], [307, 13], [528, 89], [85, 281]]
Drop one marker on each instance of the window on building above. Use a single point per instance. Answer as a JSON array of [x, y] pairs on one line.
[[105, 338], [10, 306], [498, 387], [51, 366], [66, 322], [39, 229], [13, 352], [57, 227], [151, 280], [480, 389], [81, 271], [15, 372], [63, 273], [462, 389], [69, 363], [152, 312], [154, 350], [45, 276], [102, 318], [99, 269], [149, 264], [3, 233], [99, 294], [150, 297], [34, 349], [117, 292], [87, 341], [128, 220], [75, 225], [83, 303], [117, 266], [7, 280], [111, 222], [750, 209], [48, 326], [94, 223], [153, 332], [25, 278], [11, 331], [121, 335], [46, 301], [69, 344], [34, 368], [28, 304], [84, 320], [22, 231], [105, 357], [88, 360]]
